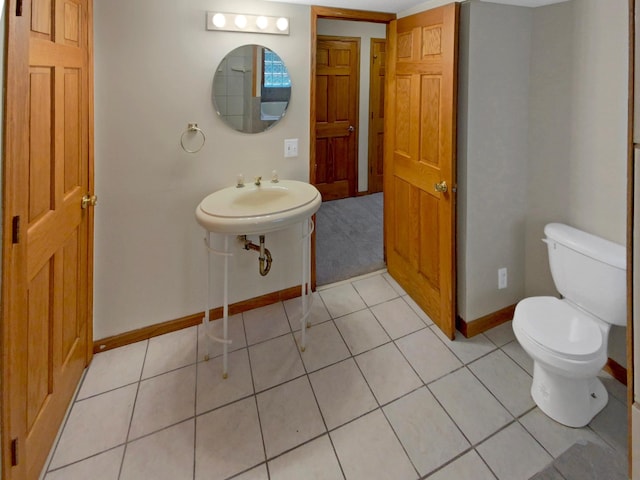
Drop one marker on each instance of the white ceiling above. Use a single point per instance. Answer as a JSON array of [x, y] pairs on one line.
[[396, 6]]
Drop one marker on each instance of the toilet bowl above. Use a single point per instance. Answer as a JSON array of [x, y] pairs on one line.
[[567, 338]]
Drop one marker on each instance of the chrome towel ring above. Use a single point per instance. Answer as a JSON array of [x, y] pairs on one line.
[[192, 128]]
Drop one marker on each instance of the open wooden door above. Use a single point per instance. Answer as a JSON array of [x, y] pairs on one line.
[[419, 167], [337, 86], [47, 224]]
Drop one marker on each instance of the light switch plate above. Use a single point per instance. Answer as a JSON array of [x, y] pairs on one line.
[[291, 147]]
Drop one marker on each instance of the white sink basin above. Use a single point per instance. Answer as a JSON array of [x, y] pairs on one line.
[[256, 209], [272, 110]]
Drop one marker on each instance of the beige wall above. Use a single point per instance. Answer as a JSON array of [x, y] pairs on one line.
[[493, 97], [565, 90], [577, 141], [365, 31], [154, 66], [550, 116]]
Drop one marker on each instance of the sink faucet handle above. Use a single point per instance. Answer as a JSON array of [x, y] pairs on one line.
[[240, 181], [258, 180], [274, 176]]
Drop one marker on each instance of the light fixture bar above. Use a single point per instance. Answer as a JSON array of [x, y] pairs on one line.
[[244, 22]]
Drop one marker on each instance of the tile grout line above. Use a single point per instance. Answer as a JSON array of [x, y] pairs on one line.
[[326, 427], [133, 410], [255, 395], [195, 399], [355, 361], [46, 468], [307, 373]]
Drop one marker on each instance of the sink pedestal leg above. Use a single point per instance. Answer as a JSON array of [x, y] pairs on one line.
[[307, 227], [225, 305], [305, 294]]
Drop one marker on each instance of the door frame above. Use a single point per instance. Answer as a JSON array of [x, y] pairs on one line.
[[333, 14]]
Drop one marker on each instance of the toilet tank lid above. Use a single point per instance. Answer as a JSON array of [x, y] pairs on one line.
[[588, 244]]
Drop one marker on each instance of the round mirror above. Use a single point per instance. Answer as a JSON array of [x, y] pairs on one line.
[[251, 89]]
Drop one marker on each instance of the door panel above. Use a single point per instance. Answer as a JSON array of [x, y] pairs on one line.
[[40, 344], [337, 66], [41, 17], [73, 149], [430, 121], [71, 327], [40, 188], [420, 153], [46, 260]]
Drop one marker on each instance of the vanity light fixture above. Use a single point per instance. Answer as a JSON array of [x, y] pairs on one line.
[[237, 22]]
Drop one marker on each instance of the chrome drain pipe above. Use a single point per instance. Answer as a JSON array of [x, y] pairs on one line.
[[264, 257]]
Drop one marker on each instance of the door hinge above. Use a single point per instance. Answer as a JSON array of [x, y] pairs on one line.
[[14, 452], [18, 8], [15, 230]]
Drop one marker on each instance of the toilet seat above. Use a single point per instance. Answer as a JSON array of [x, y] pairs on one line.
[[559, 328]]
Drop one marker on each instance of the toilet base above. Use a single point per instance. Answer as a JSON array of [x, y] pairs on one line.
[[570, 401]]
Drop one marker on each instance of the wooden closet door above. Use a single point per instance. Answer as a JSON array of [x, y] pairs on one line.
[[47, 257], [337, 86]]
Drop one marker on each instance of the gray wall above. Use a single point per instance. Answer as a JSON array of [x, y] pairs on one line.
[[542, 138], [550, 115], [577, 140], [493, 123]]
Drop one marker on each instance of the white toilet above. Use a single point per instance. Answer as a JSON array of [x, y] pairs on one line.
[[567, 338]]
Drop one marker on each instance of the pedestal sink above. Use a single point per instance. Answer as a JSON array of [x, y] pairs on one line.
[[255, 209], [251, 209]]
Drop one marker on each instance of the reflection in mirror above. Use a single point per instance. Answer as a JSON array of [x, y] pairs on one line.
[[251, 89]]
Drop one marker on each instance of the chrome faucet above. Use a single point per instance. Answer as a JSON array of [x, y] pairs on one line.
[[258, 180]]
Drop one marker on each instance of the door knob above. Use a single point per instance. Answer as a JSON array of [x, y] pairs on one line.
[[89, 200], [441, 187], [351, 128]]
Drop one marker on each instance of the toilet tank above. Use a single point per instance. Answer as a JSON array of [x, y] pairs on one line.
[[589, 271]]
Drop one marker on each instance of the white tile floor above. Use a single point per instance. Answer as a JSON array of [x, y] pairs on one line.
[[379, 393]]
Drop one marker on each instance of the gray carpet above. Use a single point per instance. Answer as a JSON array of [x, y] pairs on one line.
[[348, 238], [586, 461]]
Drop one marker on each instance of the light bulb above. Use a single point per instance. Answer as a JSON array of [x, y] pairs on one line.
[[219, 20], [282, 24], [241, 21], [262, 22]]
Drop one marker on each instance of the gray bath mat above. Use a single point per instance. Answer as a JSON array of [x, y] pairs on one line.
[[586, 461]]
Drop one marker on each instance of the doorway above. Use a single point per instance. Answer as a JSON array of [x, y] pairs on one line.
[[419, 153], [349, 224]]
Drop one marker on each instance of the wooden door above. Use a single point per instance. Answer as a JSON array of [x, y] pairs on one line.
[[337, 86], [46, 284], [419, 156], [376, 114]]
